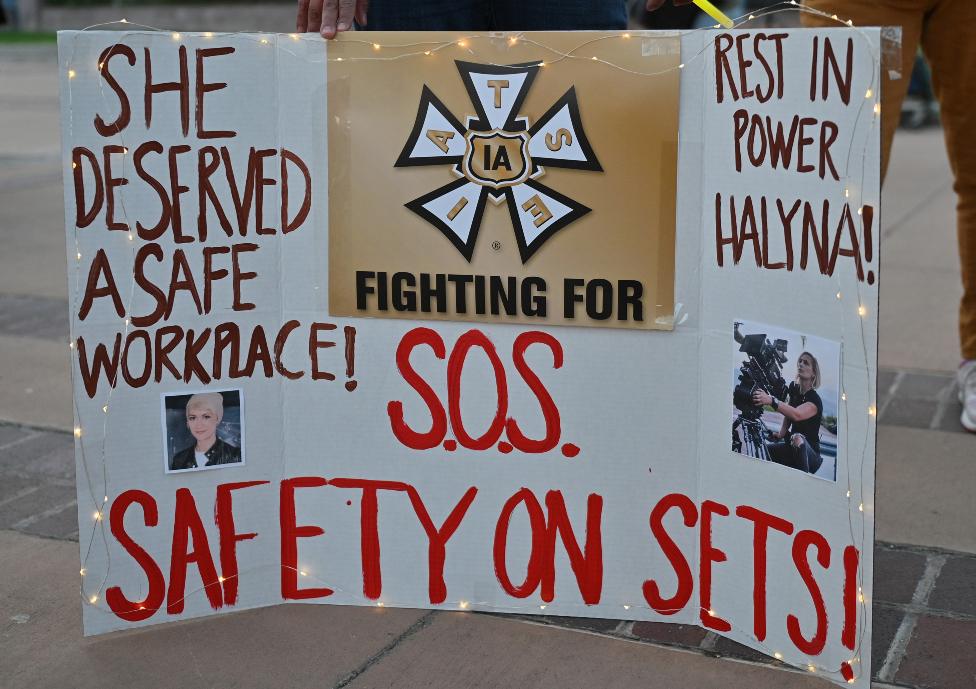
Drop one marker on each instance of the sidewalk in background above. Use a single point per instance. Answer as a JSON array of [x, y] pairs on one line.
[[925, 584]]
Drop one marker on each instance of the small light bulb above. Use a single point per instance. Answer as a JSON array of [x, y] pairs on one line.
[[512, 40], [860, 211], [681, 66], [426, 52], [73, 165], [101, 65], [850, 22], [72, 73], [848, 493], [751, 17], [264, 41], [93, 600], [131, 237], [811, 668], [376, 46], [861, 311], [463, 605], [778, 655], [877, 108], [868, 93], [97, 516], [220, 579], [843, 396], [462, 44], [542, 607], [124, 21], [303, 573], [626, 607], [124, 150], [379, 604], [176, 37], [77, 431], [860, 598], [847, 193], [71, 345], [860, 508], [208, 34], [593, 58], [711, 612], [542, 64], [78, 255], [338, 59], [105, 499], [626, 35], [835, 17], [838, 295], [127, 321], [872, 411], [294, 36], [850, 681], [82, 571]]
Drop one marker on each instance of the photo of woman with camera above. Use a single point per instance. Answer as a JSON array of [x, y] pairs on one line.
[[797, 443]]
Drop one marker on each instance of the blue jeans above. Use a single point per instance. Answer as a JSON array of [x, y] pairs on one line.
[[496, 15], [802, 457]]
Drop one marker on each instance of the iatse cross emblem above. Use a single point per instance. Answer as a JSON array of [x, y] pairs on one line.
[[498, 156]]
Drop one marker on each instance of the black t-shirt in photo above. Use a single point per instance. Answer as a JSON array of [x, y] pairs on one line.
[[810, 428]]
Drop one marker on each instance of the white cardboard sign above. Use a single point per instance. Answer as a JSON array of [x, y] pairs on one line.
[[238, 447]]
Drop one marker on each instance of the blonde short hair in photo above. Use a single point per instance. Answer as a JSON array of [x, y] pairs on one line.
[[213, 401]]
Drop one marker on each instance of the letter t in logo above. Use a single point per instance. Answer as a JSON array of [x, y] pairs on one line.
[[498, 85]]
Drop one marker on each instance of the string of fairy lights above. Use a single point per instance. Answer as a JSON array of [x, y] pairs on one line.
[[91, 593]]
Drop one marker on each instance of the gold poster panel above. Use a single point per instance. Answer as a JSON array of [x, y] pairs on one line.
[[503, 178]]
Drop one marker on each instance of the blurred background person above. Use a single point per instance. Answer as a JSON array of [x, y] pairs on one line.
[[940, 28]]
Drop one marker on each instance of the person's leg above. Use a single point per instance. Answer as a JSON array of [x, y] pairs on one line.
[[559, 15], [782, 452], [907, 14], [429, 15], [809, 459], [953, 62]]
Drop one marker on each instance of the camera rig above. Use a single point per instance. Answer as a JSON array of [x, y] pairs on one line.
[[762, 369]]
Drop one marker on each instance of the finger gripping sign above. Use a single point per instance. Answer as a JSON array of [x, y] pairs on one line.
[[458, 322]]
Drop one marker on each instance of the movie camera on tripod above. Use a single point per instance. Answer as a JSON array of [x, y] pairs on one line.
[[761, 370]]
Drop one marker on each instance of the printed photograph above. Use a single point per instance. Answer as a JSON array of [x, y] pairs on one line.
[[785, 397], [203, 430]]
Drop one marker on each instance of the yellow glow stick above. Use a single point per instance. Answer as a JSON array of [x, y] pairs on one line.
[[715, 13]]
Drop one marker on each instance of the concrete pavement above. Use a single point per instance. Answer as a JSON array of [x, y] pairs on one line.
[[925, 607]]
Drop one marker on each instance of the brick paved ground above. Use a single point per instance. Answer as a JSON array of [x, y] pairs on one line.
[[924, 599]]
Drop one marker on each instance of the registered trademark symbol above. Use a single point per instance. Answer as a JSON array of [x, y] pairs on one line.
[[496, 245]]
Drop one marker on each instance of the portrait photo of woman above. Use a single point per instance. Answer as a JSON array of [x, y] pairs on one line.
[[203, 430]]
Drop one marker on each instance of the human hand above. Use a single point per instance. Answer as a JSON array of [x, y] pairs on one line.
[[329, 17], [762, 397], [656, 4]]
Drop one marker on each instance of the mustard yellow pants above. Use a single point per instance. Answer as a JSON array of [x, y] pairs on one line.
[[945, 30]]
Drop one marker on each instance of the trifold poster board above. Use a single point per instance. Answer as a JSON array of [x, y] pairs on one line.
[[565, 324]]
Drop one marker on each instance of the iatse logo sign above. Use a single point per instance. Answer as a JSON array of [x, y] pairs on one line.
[[497, 156]]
